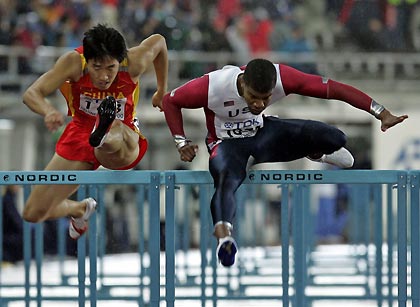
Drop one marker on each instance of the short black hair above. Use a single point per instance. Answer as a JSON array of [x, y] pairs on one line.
[[260, 75], [102, 41]]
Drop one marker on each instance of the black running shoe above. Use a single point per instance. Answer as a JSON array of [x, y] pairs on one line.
[[226, 251], [107, 111]]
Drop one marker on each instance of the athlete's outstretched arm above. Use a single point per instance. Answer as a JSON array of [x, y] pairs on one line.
[[152, 50], [67, 67], [297, 82]]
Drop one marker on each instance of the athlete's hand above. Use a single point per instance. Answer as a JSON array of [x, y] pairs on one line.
[[389, 120], [157, 100], [188, 152], [53, 120]]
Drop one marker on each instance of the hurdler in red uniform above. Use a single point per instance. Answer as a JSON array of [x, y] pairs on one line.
[[100, 82], [83, 100]]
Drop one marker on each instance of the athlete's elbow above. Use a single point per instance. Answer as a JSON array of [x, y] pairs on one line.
[[25, 97], [157, 39], [161, 43], [160, 37], [29, 96]]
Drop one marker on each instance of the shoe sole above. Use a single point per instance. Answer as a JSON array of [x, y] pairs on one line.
[[226, 253], [107, 112]]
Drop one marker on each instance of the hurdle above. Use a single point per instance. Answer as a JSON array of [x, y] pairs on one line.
[[382, 265]]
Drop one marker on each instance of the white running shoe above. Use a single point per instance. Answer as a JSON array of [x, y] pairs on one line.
[[341, 158], [78, 226]]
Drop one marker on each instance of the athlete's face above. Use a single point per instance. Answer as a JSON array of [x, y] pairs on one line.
[[103, 71], [257, 102]]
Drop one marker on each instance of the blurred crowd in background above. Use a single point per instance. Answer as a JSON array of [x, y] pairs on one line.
[[247, 26]]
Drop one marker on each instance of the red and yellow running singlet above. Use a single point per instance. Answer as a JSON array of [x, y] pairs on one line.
[[83, 100]]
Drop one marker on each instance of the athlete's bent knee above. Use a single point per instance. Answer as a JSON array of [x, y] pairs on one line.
[[339, 138], [33, 213], [324, 135]]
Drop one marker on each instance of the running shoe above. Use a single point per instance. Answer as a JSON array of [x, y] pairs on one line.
[[78, 226], [107, 111], [341, 158], [226, 251]]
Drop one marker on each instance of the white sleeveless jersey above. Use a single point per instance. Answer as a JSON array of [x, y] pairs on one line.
[[232, 116]]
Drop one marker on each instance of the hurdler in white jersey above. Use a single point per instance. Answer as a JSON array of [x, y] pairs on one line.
[[233, 118], [233, 100]]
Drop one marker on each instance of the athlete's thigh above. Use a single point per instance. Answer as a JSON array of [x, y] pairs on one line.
[[280, 140], [122, 147], [230, 157], [283, 140], [48, 194]]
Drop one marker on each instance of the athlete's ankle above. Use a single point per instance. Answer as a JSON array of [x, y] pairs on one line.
[[222, 229]]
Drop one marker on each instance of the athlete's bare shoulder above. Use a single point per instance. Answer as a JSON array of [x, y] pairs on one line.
[[69, 65]]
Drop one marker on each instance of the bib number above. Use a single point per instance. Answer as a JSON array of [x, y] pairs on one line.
[[240, 133], [90, 106]]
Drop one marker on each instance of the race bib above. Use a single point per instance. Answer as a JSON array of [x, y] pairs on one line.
[[243, 129], [90, 106]]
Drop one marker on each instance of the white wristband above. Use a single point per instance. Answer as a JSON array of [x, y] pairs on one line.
[[376, 108], [181, 141]]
